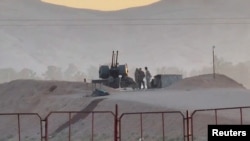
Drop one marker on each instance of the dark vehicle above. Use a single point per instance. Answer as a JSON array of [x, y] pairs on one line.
[[116, 75]]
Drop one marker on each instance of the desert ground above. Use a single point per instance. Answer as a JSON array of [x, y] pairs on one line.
[[189, 94], [36, 35]]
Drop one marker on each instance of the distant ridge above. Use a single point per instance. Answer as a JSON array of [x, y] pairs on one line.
[[182, 31], [206, 81]]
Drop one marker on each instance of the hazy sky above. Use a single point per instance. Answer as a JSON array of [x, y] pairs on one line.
[[168, 33], [102, 5]]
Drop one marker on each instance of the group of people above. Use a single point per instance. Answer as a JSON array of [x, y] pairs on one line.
[[139, 78]]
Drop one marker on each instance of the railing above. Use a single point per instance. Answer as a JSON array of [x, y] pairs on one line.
[[61, 124], [13, 123], [203, 117], [108, 125], [146, 123]]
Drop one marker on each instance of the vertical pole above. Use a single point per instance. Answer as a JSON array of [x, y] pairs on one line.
[[19, 130], [116, 63], [119, 132], [216, 120], [213, 63], [241, 119], [192, 127], [92, 138], [187, 116], [112, 62], [116, 124], [163, 126]]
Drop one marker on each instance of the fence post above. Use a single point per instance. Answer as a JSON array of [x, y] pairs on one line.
[[116, 124], [241, 119], [19, 128], [188, 131]]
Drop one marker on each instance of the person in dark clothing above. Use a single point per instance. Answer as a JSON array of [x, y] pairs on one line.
[[141, 76], [136, 77]]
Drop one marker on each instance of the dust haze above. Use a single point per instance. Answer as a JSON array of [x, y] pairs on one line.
[[44, 41]]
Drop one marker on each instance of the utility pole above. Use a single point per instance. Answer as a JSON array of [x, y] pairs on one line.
[[213, 63]]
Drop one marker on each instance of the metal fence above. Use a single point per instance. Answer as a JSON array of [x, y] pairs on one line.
[[108, 125], [65, 125], [12, 125], [200, 119], [159, 126]]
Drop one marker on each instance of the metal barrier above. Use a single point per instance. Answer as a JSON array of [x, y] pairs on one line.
[[152, 126], [204, 117], [20, 133], [61, 124], [160, 126]]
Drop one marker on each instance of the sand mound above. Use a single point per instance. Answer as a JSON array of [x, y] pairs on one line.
[[28, 86], [43, 96], [206, 81]]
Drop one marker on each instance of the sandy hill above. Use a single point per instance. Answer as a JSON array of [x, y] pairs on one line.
[[42, 97], [45, 96], [206, 81]]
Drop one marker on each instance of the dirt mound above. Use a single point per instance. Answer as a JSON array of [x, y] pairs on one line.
[[42, 96], [206, 81], [29, 86]]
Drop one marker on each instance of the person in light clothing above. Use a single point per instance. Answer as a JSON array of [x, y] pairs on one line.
[[148, 77]]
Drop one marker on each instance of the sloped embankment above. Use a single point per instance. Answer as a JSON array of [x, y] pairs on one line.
[[206, 81]]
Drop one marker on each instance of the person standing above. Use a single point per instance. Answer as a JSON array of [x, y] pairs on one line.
[[140, 79], [148, 77], [136, 77]]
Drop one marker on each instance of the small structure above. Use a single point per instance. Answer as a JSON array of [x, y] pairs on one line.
[[165, 80]]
